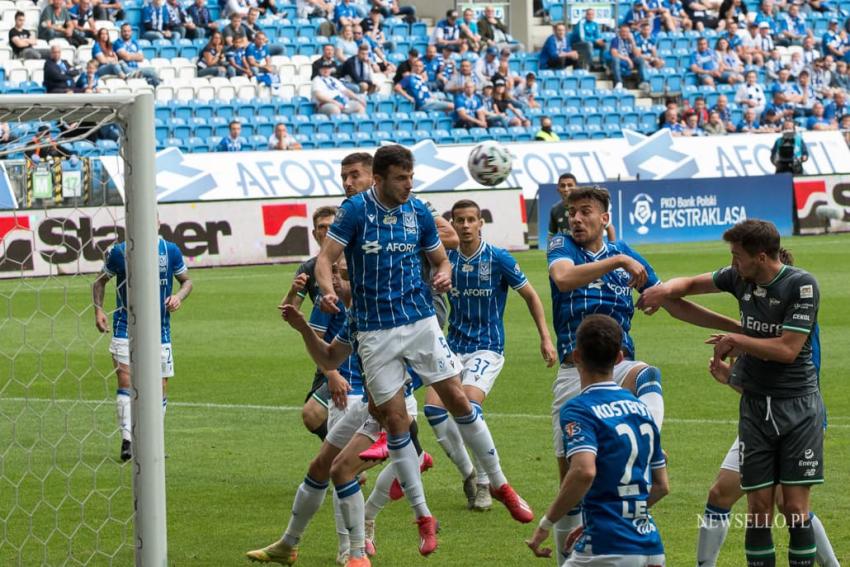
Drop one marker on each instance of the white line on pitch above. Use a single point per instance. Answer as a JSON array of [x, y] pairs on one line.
[[292, 409]]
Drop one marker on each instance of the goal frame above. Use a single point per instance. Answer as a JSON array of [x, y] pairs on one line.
[[135, 114]]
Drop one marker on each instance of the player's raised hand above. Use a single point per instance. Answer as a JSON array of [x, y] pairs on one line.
[[172, 303], [101, 321], [724, 345], [635, 269], [720, 370], [328, 303], [293, 316], [650, 300], [442, 282], [338, 388], [300, 282], [537, 538], [550, 356]]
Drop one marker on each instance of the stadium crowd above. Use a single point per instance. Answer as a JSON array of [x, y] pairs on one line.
[[722, 67]]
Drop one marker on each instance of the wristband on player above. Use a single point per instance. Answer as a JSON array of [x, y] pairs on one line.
[[545, 523]]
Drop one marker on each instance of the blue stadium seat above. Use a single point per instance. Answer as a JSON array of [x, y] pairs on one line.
[[303, 125], [286, 108], [245, 108], [344, 140], [500, 133], [263, 126], [223, 109], [189, 51], [419, 29], [381, 136], [258, 143], [201, 127], [306, 141], [343, 124], [306, 28], [403, 105], [267, 108], [648, 121], [383, 122], [363, 123], [423, 121], [180, 128], [220, 126], [362, 138], [630, 120], [160, 129], [323, 124], [198, 144], [305, 106], [397, 28], [462, 136], [203, 110], [403, 122], [175, 143]]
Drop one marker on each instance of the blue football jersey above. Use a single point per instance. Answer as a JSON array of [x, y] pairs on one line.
[[382, 249], [170, 265], [609, 295], [478, 297], [338, 326], [614, 425]]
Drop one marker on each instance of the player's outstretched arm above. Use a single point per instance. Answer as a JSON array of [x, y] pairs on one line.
[[535, 307], [660, 486], [326, 356], [567, 276], [784, 348], [173, 302], [575, 485], [293, 296], [98, 290], [652, 299], [695, 314], [330, 253]]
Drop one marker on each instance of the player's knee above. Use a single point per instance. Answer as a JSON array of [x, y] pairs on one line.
[[719, 497], [648, 381], [342, 471], [319, 468]]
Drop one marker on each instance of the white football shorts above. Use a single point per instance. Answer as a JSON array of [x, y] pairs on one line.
[[582, 559], [343, 424], [120, 349], [567, 386], [481, 368], [732, 460], [384, 354]]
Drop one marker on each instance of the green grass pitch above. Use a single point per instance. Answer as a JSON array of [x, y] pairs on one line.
[[237, 449]]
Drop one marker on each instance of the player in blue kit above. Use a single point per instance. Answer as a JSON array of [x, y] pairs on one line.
[[171, 267], [617, 468], [382, 232], [589, 275], [481, 277]]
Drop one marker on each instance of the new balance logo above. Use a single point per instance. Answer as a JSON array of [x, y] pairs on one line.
[[596, 284], [371, 247]]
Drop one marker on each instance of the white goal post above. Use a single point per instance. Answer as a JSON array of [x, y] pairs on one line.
[[134, 114]]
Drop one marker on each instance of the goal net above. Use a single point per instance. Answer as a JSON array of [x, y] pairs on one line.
[[65, 496]]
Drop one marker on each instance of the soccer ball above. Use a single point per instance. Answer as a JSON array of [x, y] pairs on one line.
[[489, 163]]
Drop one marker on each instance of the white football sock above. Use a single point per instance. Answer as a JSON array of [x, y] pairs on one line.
[[825, 555], [381, 493], [712, 533], [563, 528], [648, 390], [449, 438], [655, 404], [406, 464], [477, 437], [352, 507], [308, 500], [122, 406], [482, 474], [341, 530]]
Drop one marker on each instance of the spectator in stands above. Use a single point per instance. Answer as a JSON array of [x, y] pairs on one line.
[[487, 66], [721, 107], [557, 53], [376, 53], [328, 52], [749, 51], [88, 82], [810, 52], [156, 23], [819, 121], [314, 8], [450, 66], [791, 27], [56, 23], [625, 57], [678, 16], [662, 14], [700, 14], [512, 78], [809, 97], [260, 61], [586, 38], [646, 43], [699, 109], [282, 140], [469, 30], [750, 123], [639, 14], [268, 7], [22, 42], [526, 94], [705, 64], [771, 120], [83, 16], [332, 97], [406, 66], [733, 10], [179, 22], [252, 27], [414, 87], [201, 18], [494, 33], [391, 8], [212, 61], [58, 73], [546, 133], [464, 75], [692, 127], [730, 63], [838, 106], [234, 30], [491, 113], [108, 61], [778, 106], [108, 10], [237, 58], [233, 142], [358, 70], [796, 65], [447, 33], [671, 121], [733, 37], [509, 107], [789, 90], [433, 64], [240, 7], [45, 147], [130, 53], [715, 126], [764, 43], [346, 14], [469, 108], [373, 27], [833, 42], [844, 126], [839, 80], [345, 45]]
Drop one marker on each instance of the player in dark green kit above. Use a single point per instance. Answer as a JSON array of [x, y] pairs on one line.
[[781, 411]]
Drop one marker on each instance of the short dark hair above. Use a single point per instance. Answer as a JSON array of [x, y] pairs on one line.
[[567, 176], [232, 122], [19, 14], [387, 156], [755, 236], [466, 204], [786, 257], [357, 157], [592, 192], [599, 340], [413, 52], [322, 212]]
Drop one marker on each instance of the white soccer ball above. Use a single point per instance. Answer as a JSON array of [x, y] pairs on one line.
[[490, 163]]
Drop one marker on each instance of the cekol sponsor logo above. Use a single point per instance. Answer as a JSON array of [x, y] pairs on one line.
[[16, 247], [285, 224]]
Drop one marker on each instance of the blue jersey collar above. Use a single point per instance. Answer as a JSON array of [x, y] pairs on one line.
[[373, 194], [477, 252], [607, 385]]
